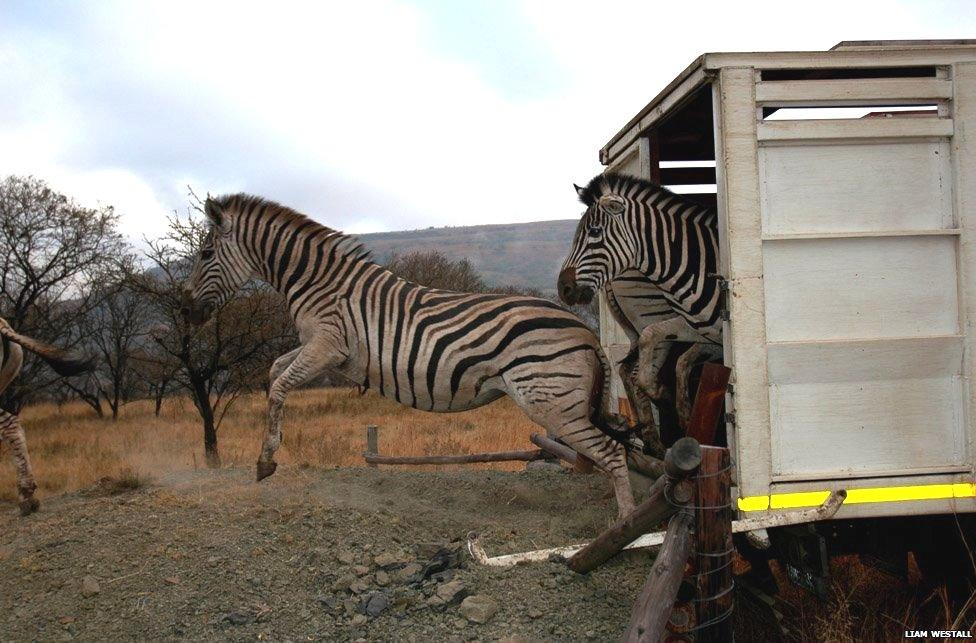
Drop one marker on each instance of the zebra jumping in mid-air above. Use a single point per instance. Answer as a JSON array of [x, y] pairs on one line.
[[11, 432], [634, 226], [430, 349]]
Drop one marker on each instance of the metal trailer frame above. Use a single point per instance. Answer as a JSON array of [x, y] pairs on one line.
[[848, 248]]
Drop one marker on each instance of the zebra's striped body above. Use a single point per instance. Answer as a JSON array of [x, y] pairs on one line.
[[11, 432], [431, 349], [634, 226], [636, 303]]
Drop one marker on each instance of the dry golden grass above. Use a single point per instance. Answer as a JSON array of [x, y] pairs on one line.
[[71, 448]]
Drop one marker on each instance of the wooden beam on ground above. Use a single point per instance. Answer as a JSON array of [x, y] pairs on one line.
[[581, 464], [653, 606], [709, 399], [499, 456], [713, 546], [667, 494], [655, 539], [557, 449]]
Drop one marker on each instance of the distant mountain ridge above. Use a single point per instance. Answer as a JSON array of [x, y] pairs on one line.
[[520, 254]]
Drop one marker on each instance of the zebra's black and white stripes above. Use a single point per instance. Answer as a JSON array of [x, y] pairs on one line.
[[11, 432], [635, 226], [431, 349]]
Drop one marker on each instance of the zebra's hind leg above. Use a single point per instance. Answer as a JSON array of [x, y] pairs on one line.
[[559, 399], [305, 363], [642, 405], [608, 455], [12, 435]]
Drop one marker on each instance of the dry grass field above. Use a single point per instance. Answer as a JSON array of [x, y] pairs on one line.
[[71, 448]]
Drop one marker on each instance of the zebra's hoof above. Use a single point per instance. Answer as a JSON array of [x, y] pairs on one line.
[[265, 469], [29, 506]]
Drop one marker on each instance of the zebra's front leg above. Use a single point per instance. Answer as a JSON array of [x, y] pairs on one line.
[[12, 435], [653, 346], [699, 353], [642, 405], [306, 362]]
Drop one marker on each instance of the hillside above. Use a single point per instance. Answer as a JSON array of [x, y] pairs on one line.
[[523, 254]]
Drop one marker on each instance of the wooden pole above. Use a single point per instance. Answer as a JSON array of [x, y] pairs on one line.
[[653, 606], [703, 423], [713, 546], [497, 456], [667, 495], [372, 442], [645, 464], [557, 449]]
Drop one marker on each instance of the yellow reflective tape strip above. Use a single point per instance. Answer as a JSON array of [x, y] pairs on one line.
[[800, 499], [754, 503], [859, 496]]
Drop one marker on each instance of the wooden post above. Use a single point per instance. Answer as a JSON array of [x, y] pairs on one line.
[[496, 456], [709, 399], [667, 494], [372, 442], [713, 546], [653, 606]]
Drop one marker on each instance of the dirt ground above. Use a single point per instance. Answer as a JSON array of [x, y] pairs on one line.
[[214, 555]]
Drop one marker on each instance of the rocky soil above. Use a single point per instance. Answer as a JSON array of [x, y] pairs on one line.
[[345, 554]]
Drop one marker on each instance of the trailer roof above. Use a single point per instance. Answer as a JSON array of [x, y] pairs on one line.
[[903, 55]]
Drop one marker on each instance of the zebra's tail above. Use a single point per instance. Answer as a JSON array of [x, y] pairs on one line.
[[64, 363], [610, 423]]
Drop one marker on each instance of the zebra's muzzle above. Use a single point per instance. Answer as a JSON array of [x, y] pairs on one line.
[[570, 291], [194, 312]]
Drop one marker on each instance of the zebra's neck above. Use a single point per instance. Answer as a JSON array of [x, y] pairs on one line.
[[677, 250], [309, 264]]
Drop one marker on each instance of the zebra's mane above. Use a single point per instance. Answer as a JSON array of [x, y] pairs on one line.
[[346, 245], [621, 184]]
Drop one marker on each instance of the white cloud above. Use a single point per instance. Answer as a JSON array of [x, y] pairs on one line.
[[351, 113]]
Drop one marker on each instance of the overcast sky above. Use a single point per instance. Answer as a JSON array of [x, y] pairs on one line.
[[371, 115]]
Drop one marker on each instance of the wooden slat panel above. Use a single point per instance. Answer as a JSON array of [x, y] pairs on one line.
[[629, 164], [860, 408], [890, 57], [792, 236], [964, 162], [670, 97], [741, 238], [856, 187], [860, 288], [854, 128], [839, 93]]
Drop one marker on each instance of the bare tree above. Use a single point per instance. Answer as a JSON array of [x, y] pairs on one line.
[[228, 356], [435, 270], [115, 331], [52, 253]]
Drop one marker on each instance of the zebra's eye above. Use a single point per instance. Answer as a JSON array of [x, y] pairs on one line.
[[207, 254], [595, 231]]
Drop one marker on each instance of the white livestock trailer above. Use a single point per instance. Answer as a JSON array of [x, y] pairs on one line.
[[845, 185]]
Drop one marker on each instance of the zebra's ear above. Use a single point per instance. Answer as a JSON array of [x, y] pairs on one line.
[[612, 204], [579, 190], [214, 212]]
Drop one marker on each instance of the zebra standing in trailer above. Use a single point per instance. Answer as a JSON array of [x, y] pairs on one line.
[[430, 349], [631, 224], [11, 433]]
